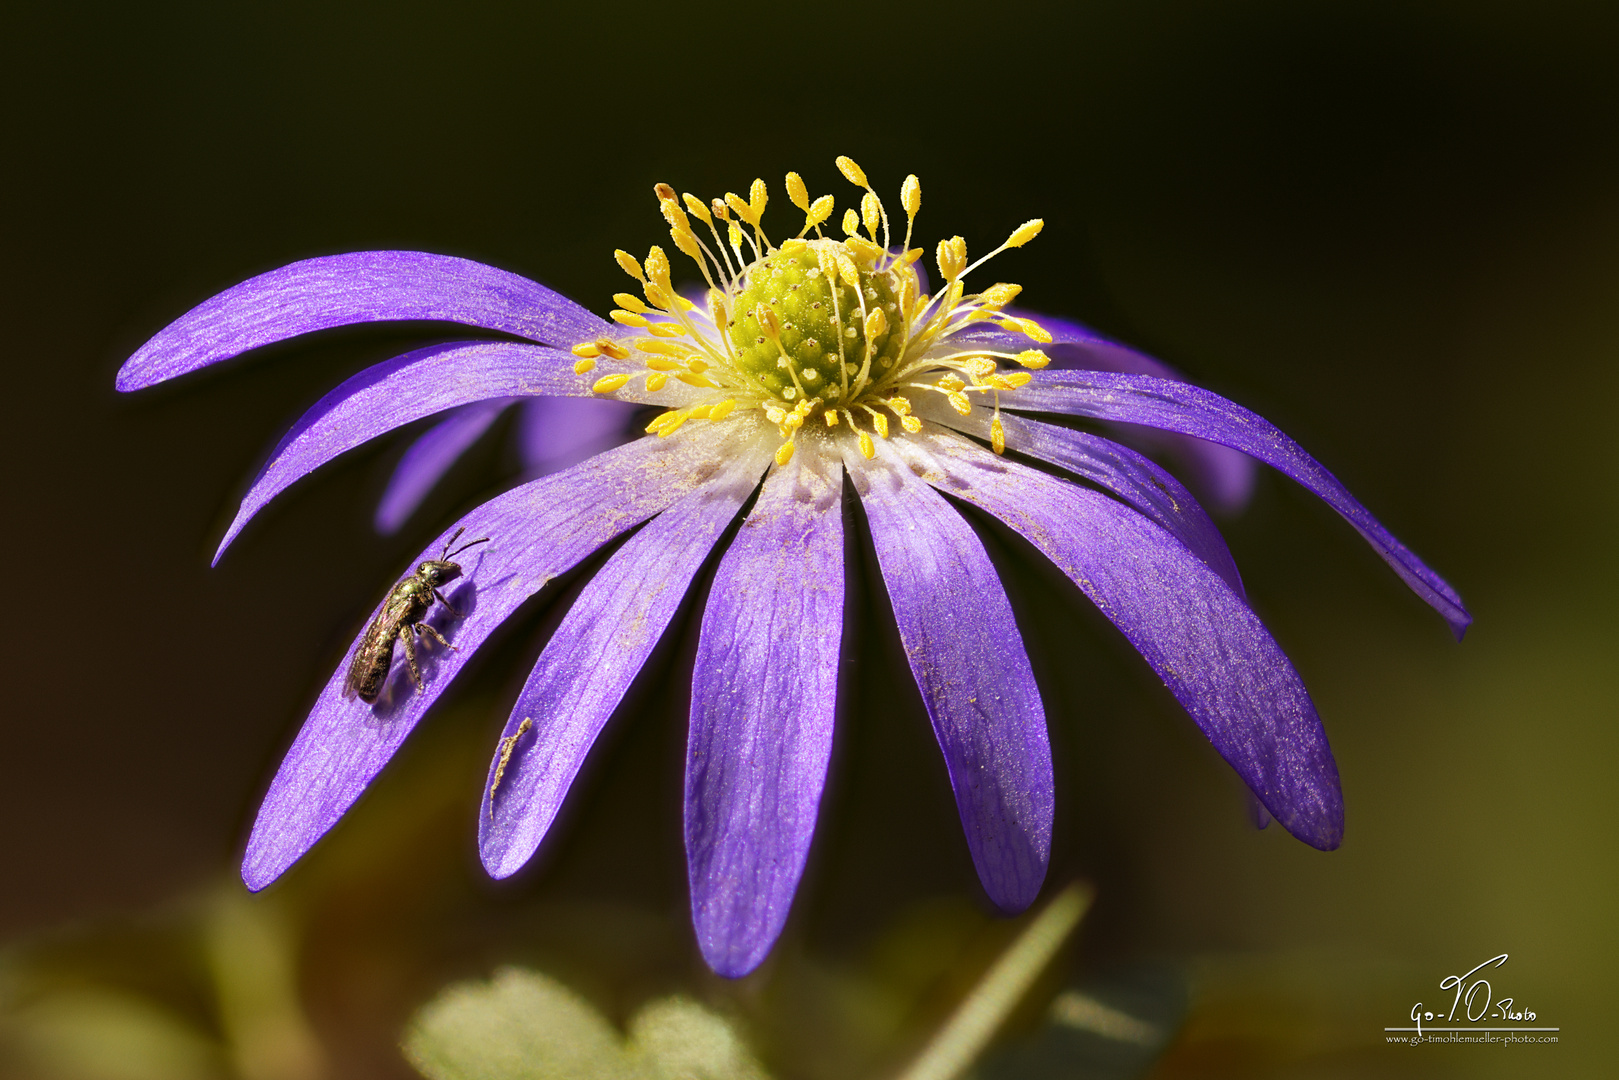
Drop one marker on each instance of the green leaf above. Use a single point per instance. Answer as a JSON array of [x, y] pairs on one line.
[[527, 1025], [520, 1026]]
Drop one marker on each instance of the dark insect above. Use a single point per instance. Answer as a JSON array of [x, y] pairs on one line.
[[401, 618]]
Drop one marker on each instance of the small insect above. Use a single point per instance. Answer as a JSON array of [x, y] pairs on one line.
[[401, 618], [507, 745]]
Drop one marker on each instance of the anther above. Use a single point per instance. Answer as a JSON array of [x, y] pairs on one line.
[[722, 410], [851, 172], [697, 209], [819, 211], [609, 383], [627, 263], [851, 223], [1025, 232], [630, 302], [910, 195], [580, 367], [655, 381], [1032, 358], [797, 192], [628, 318], [784, 454], [997, 435], [870, 214], [999, 295], [720, 209], [612, 349], [586, 350], [951, 264], [958, 401], [867, 449], [663, 191]]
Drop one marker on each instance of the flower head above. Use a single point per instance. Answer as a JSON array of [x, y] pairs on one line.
[[803, 363]]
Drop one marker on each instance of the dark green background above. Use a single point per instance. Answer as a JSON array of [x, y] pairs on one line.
[[1393, 229]]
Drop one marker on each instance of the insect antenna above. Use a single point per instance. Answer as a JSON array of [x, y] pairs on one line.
[[445, 554], [463, 547]]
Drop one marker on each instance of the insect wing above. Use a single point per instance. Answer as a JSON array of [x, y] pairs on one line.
[[374, 655]]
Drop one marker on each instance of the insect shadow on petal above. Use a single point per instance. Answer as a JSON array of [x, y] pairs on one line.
[[401, 619]]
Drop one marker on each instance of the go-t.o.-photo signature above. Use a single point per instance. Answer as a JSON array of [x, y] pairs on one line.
[[1473, 999]]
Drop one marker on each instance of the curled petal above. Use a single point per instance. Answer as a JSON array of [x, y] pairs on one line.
[[1181, 407], [968, 660], [430, 457], [396, 392], [1125, 473], [762, 703], [1222, 476], [359, 287], [595, 654], [1201, 638], [537, 531]]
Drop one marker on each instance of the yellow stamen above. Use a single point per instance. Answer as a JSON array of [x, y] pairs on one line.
[[784, 453], [586, 350], [851, 172], [627, 263], [868, 449], [608, 383], [655, 381], [580, 367], [997, 435], [697, 209], [797, 192], [1025, 232], [628, 318]]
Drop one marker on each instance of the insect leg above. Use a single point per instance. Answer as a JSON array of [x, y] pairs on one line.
[[408, 639], [438, 637], [440, 597]]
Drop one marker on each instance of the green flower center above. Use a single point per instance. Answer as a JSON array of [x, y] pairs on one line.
[[822, 342]]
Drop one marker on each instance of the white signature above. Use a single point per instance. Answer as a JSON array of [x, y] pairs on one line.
[[1472, 999]]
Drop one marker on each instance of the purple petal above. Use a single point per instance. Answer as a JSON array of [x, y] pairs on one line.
[[396, 392], [1201, 638], [554, 433], [762, 702], [1224, 477], [594, 656], [360, 287], [1124, 472], [1181, 407], [430, 457], [538, 531], [967, 657]]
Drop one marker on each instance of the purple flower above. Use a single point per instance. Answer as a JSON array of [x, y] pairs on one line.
[[808, 361]]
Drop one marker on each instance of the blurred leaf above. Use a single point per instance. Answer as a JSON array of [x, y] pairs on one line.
[[106, 1035], [523, 1024], [681, 1038], [520, 1025]]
